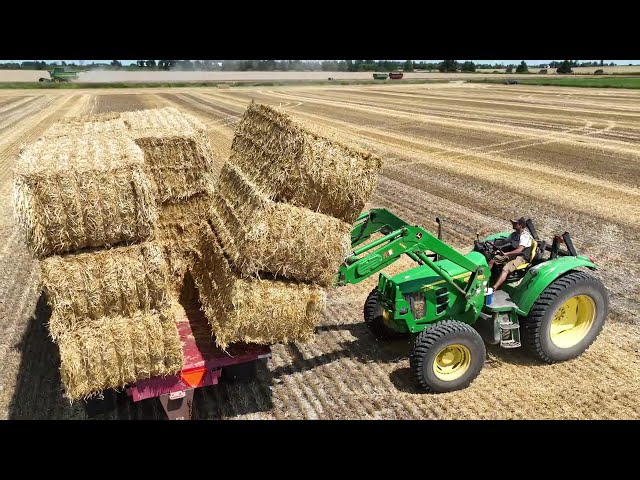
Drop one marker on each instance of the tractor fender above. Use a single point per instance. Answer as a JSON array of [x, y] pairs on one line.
[[541, 276]]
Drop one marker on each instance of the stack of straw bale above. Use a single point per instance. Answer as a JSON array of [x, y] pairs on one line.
[[179, 159], [109, 203], [279, 227], [120, 206]]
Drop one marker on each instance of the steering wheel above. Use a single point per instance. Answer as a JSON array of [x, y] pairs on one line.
[[493, 248]]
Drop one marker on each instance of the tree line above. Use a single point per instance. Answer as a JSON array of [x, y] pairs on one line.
[[301, 65]]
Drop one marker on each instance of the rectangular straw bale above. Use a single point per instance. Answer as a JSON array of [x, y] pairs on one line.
[[112, 127], [85, 191], [82, 288], [177, 233], [176, 151], [115, 351], [302, 164], [263, 311], [261, 235], [91, 118]]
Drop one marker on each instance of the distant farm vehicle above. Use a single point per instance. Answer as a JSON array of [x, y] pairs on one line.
[[396, 75], [59, 74], [511, 82], [380, 76]]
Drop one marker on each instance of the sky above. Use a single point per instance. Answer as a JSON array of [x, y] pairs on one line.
[[506, 62]]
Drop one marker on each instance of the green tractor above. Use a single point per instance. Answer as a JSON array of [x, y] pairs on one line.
[[547, 305]]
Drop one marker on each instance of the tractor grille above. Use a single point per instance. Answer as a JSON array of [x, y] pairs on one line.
[[390, 292], [442, 300], [417, 303]]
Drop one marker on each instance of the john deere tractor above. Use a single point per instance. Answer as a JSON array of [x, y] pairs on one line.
[[549, 305]]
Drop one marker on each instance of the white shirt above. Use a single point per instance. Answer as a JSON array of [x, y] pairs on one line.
[[525, 239]]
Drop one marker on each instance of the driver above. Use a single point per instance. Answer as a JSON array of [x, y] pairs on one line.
[[521, 241]]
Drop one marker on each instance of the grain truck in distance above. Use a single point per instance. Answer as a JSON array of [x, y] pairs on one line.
[[547, 305]]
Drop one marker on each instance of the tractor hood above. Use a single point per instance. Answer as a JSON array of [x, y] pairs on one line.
[[423, 276]]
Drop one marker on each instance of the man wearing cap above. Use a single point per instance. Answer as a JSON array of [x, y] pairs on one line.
[[521, 241]]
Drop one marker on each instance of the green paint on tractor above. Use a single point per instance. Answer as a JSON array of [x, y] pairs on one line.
[[443, 299]]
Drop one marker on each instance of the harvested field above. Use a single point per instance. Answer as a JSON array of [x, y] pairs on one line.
[[474, 155]]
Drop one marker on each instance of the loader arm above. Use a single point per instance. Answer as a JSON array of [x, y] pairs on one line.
[[377, 220], [412, 241]]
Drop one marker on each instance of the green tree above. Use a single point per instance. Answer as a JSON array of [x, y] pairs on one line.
[[150, 63], [116, 64], [564, 67], [509, 69], [448, 66], [522, 68], [468, 66], [408, 66]]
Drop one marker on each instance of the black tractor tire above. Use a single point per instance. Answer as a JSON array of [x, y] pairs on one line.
[[373, 317], [430, 343], [536, 327]]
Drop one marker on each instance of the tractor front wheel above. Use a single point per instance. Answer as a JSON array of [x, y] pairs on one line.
[[446, 357], [566, 318], [374, 319]]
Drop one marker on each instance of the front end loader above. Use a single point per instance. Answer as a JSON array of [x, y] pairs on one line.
[[549, 305]]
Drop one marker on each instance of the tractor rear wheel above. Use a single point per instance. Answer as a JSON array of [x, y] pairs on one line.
[[373, 317], [566, 318], [446, 357]]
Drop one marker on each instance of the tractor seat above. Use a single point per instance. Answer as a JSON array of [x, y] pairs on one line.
[[532, 256]]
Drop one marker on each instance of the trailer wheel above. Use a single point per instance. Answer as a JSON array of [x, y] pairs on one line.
[[566, 318], [373, 317], [447, 356]]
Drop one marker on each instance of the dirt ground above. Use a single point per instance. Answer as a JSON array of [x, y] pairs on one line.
[[475, 155]]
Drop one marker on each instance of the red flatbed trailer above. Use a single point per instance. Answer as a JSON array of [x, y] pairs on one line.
[[204, 364]]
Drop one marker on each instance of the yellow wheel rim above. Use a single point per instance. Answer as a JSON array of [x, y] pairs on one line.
[[572, 321], [452, 362]]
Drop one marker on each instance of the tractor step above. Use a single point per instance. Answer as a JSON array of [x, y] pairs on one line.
[[509, 344], [509, 333]]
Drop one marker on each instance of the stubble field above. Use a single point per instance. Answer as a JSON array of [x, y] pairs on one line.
[[475, 155]]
